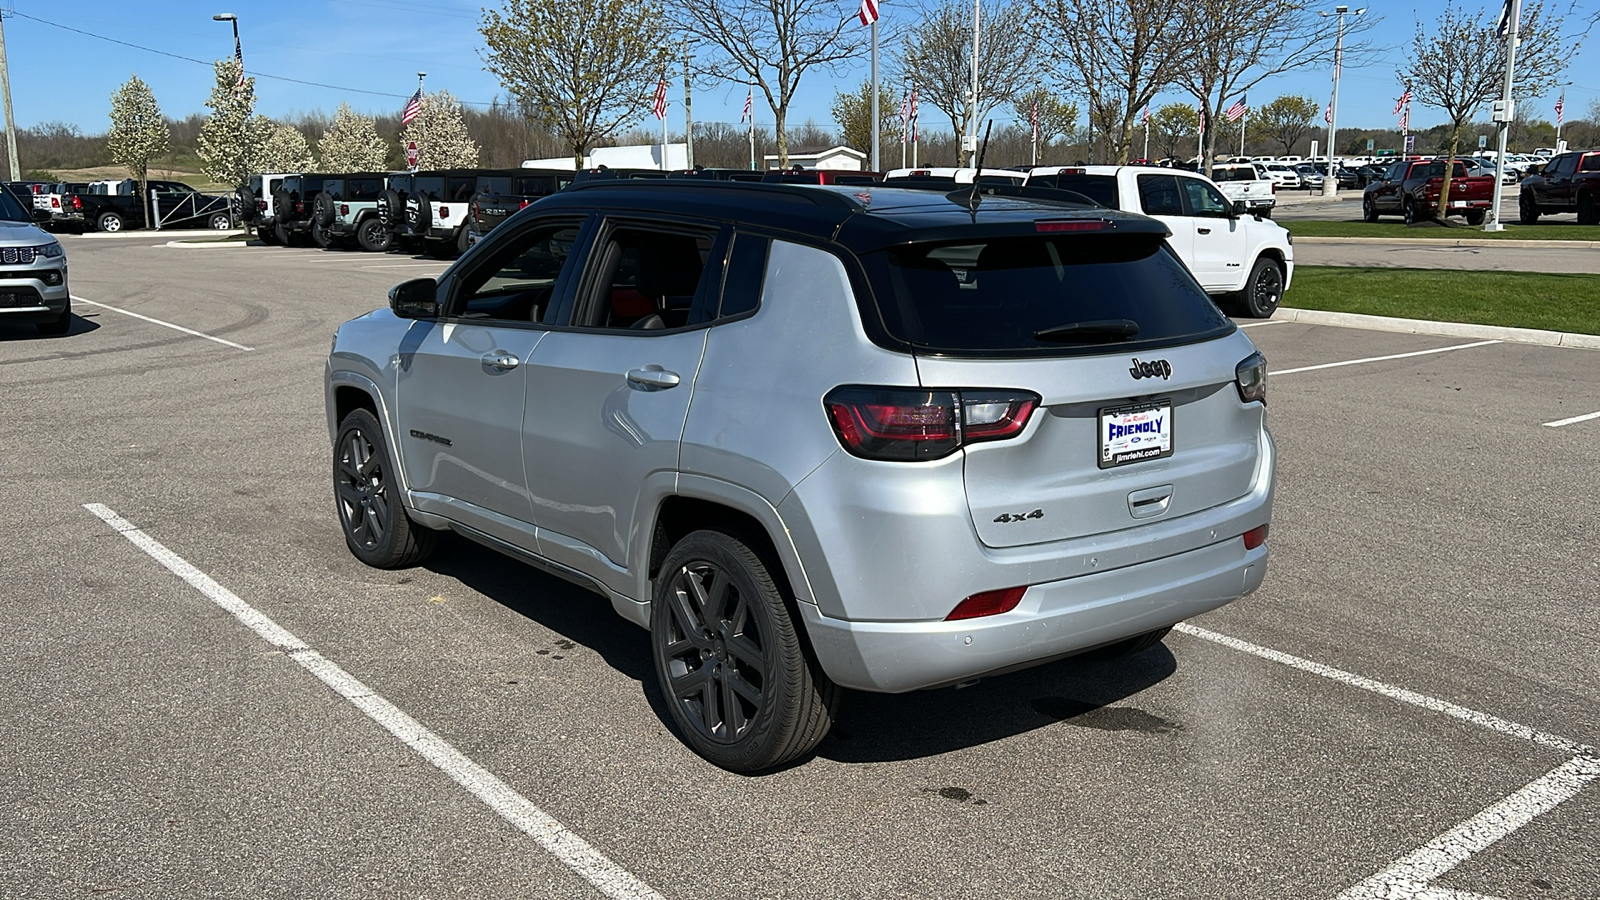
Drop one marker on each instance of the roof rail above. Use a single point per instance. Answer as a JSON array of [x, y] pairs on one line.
[[821, 198]]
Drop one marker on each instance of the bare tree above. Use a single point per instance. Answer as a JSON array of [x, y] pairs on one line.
[[772, 43], [1240, 43], [1285, 120], [936, 55], [1119, 54], [1459, 65], [583, 81]]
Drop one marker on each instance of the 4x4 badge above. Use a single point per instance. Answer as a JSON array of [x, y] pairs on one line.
[[1151, 369]]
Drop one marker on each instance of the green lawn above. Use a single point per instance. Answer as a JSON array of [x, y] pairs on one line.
[[1517, 299], [1553, 231]]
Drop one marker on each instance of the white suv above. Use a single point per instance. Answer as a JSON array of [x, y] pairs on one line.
[[1241, 258]]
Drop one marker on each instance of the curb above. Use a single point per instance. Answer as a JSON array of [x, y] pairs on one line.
[[147, 234], [1450, 242], [213, 245], [1440, 329]]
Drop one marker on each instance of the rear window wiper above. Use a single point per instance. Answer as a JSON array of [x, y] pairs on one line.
[[1105, 329]]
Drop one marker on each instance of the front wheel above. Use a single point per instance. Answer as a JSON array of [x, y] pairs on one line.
[[729, 658], [1527, 210], [1264, 291], [109, 222], [367, 493], [1410, 211]]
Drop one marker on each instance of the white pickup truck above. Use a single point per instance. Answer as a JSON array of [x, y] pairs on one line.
[[1243, 259], [1248, 182]]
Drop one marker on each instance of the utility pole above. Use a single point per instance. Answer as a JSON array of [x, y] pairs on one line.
[[972, 114], [688, 118], [1330, 184], [877, 159], [14, 172], [1502, 115]]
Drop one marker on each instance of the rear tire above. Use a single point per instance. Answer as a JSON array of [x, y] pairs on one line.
[[109, 222], [366, 493], [1476, 216], [372, 235], [1587, 214], [268, 236], [1369, 210], [730, 660], [320, 236], [462, 243], [1410, 211]]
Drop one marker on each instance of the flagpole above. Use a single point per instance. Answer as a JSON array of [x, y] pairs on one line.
[[1561, 109], [905, 126], [1243, 117], [749, 102], [1147, 134], [688, 121], [877, 159]]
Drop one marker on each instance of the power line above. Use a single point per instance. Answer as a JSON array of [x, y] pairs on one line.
[[112, 40]]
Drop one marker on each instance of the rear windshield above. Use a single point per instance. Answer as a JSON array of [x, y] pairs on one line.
[[1021, 296], [1237, 173], [1102, 189]]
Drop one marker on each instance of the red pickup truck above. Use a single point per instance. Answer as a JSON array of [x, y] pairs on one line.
[[1411, 189], [1568, 183]]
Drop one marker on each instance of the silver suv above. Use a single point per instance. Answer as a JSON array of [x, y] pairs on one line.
[[818, 437], [33, 271]]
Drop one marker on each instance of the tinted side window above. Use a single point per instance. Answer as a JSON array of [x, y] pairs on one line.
[[1591, 163], [1158, 194], [1563, 165], [648, 279], [494, 184], [363, 188], [461, 188], [1102, 189], [430, 186], [518, 282], [747, 269]]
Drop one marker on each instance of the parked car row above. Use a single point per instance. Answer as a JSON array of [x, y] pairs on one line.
[[1567, 183], [116, 205]]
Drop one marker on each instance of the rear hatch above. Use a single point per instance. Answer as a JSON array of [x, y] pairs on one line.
[[1138, 417]]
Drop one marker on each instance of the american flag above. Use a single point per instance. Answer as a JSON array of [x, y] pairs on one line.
[[869, 12], [1327, 114], [238, 55], [660, 106], [1404, 99], [749, 98], [1405, 119], [1147, 114], [912, 114], [413, 108], [1505, 20], [1237, 110], [1560, 101], [1202, 119]]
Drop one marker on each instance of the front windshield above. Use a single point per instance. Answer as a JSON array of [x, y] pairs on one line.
[[11, 210]]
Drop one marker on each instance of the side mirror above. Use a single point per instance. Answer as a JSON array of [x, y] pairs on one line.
[[415, 299], [1240, 208]]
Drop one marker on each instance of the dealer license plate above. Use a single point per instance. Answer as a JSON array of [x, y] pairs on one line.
[[1131, 434]]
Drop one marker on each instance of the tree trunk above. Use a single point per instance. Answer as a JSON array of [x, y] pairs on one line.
[[1449, 169], [781, 113], [577, 155]]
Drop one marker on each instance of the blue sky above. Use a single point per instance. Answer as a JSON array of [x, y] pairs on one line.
[[378, 46]]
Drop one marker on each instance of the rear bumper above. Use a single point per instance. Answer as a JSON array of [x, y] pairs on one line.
[[1053, 620]]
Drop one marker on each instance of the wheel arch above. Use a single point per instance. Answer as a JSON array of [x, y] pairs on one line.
[[348, 391]]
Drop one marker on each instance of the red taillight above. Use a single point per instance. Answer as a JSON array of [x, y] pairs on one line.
[[299, 207], [1073, 171], [344, 209], [76, 203], [444, 212], [261, 206], [523, 205], [908, 425], [55, 202], [1255, 537], [987, 603], [1075, 225]]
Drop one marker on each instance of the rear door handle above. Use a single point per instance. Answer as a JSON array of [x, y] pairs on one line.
[[653, 378], [500, 361], [1203, 230]]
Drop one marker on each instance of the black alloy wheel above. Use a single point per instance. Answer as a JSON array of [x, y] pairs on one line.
[[1410, 209], [375, 524], [1264, 291], [741, 689], [1369, 210], [372, 235]]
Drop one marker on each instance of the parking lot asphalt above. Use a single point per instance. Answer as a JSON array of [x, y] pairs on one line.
[[1408, 706]]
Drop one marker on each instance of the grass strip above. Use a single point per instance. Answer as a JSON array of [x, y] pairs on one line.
[[1554, 302], [1543, 231]]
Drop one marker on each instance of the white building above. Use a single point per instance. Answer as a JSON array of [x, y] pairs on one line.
[[842, 158], [641, 156]]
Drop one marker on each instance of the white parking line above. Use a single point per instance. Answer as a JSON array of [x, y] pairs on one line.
[[1353, 362], [77, 299], [1267, 322], [1410, 877], [1572, 421], [405, 266], [574, 852]]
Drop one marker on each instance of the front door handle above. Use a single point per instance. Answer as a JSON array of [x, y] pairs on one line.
[[1203, 230], [653, 378], [500, 361]]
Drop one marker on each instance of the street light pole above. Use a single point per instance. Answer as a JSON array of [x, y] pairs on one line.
[[1330, 184], [244, 118], [1502, 116]]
